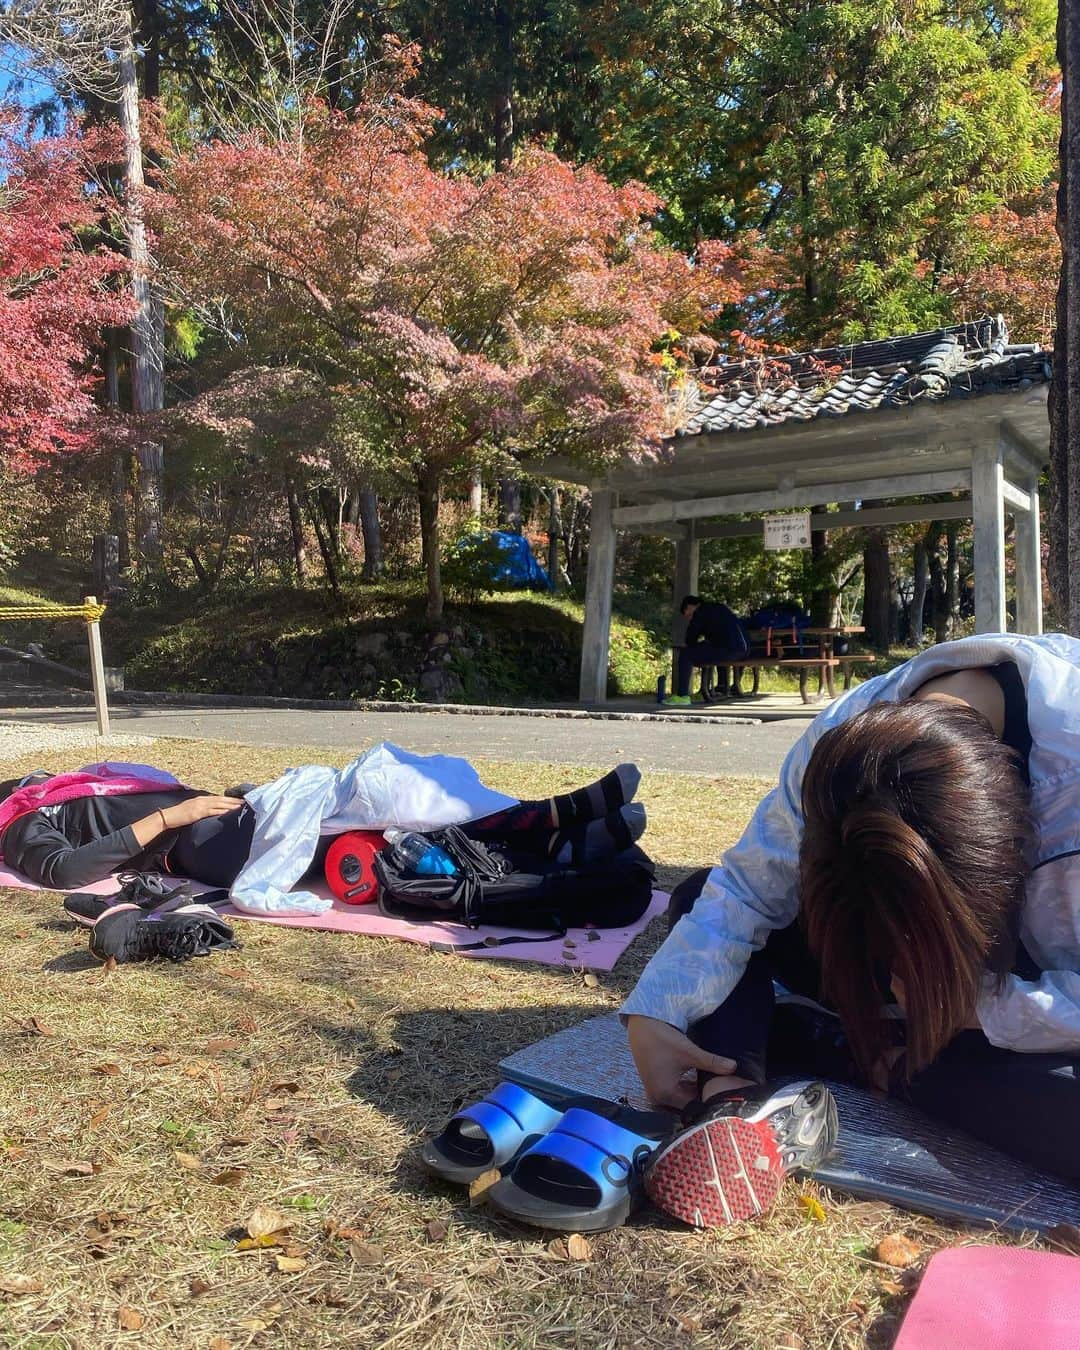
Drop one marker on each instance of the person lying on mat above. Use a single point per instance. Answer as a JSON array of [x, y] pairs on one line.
[[916, 874], [149, 822]]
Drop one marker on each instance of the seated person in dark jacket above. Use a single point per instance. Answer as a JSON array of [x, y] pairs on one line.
[[714, 637]]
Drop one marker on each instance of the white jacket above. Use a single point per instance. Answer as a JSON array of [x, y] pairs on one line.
[[386, 786], [754, 889]]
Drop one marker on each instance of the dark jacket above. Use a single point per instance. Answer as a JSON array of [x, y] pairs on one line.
[[714, 622]]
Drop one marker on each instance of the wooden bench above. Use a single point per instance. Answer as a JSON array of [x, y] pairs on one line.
[[848, 660], [824, 665]]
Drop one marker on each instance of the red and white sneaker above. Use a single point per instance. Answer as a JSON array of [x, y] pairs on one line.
[[731, 1162]]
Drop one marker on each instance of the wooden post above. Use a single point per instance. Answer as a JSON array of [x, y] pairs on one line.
[[687, 553], [97, 670], [987, 483], [596, 638], [1028, 551]]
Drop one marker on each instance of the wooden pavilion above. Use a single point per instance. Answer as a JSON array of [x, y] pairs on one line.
[[959, 410]]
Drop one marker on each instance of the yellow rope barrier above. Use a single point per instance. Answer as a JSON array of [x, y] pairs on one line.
[[88, 613]]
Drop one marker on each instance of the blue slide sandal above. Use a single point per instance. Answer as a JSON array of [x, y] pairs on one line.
[[582, 1177], [490, 1133]]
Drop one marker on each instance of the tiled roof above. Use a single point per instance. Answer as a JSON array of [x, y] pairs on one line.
[[961, 362]]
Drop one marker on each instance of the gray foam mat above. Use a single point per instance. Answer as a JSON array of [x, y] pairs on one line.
[[886, 1151]]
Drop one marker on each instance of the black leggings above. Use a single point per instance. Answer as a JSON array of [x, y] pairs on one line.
[[1025, 1105]]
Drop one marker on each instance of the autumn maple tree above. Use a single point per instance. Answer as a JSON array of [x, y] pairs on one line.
[[56, 294], [529, 314]]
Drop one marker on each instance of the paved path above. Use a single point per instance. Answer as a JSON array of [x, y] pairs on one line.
[[664, 746]]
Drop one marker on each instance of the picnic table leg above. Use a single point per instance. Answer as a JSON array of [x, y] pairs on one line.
[[803, 672], [830, 683]]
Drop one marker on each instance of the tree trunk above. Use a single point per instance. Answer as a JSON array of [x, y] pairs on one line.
[[554, 534], [326, 547], [510, 505], [922, 586], [147, 385], [952, 578], [118, 505], [428, 490], [296, 529], [476, 494], [503, 103], [368, 503], [822, 590], [877, 589]]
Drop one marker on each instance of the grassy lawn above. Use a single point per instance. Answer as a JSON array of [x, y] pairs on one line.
[[148, 1113]]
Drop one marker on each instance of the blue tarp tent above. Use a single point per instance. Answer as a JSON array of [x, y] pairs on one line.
[[520, 569]]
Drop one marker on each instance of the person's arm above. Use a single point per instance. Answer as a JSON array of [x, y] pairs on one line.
[[43, 853], [693, 628], [753, 891], [1033, 1016]]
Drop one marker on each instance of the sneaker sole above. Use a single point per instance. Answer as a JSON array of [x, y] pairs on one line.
[[720, 1172]]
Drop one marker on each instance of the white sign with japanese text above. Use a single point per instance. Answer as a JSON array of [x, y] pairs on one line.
[[791, 530]]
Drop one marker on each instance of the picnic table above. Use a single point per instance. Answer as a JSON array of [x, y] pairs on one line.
[[785, 647]]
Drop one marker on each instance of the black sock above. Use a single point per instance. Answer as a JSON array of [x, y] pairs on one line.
[[597, 800]]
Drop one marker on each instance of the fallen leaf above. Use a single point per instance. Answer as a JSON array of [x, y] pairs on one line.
[[436, 1230], [247, 1024], [577, 1248], [235, 973], [163, 1060], [594, 936], [690, 1327], [68, 1167], [813, 1206], [480, 1186], [190, 1162], [193, 1070], [109, 1070], [590, 981], [219, 1343], [569, 942], [231, 1176], [255, 1324], [36, 1027], [365, 1253], [558, 1249], [1065, 1237], [98, 1118], [263, 1221], [250, 1244], [130, 1319], [220, 1044], [289, 1264], [891, 1287], [898, 1251], [285, 1087], [277, 1104], [197, 1287], [110, 965], [20, 1284]]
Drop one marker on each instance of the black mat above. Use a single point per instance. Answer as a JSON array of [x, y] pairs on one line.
[[887, 1151]]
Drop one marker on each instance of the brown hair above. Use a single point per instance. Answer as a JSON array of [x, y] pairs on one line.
[[912, 865]]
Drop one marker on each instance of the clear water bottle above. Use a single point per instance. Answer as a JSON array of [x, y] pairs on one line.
[[420, 854]]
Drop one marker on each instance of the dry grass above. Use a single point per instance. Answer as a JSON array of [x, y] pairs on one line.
[[146, 1113]]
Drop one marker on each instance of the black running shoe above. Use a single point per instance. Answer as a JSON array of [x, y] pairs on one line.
[[127, 933], [731, 1162], [148, 890]]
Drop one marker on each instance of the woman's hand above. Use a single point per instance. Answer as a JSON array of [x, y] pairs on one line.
[[664, 1056], [198, 808]]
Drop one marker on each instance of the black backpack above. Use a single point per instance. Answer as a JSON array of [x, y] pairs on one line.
[[500, 886]]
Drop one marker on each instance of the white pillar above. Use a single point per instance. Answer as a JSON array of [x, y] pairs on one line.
[[687, 553], [97, 670], [596, 639], [1028, 552], [988, 509]]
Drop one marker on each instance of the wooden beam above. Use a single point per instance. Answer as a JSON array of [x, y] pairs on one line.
[[599, 579], [802, 494], [960, 509], [987, 480], [1015, 497]]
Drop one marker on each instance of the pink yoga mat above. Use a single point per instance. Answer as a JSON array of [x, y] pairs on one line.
[[595, 948], [995, 1298]]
